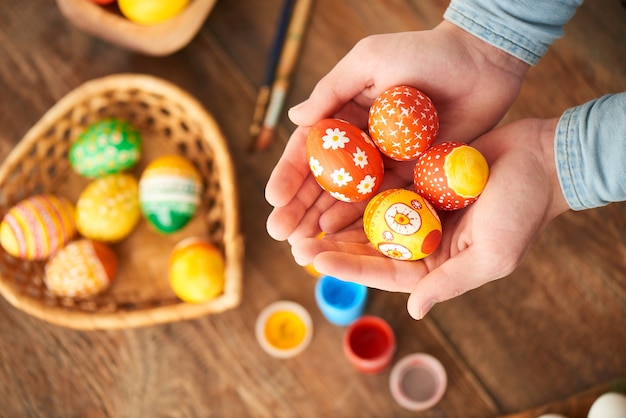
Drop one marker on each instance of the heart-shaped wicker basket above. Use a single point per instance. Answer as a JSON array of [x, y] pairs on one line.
[[170, 121]]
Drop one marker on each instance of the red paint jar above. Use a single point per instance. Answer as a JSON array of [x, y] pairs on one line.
[[369, 343]]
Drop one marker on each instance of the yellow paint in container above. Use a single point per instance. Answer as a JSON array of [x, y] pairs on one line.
[[284, 329]]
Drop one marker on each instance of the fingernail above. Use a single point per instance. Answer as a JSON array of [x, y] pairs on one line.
[[426, 308], [298, 106]]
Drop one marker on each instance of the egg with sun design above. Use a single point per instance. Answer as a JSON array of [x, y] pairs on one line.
[[344, 160], [402, 225]]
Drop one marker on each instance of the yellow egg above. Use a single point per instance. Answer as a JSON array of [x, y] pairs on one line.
[[37, 226], [150, 12], [196, 270], [108, 208], [402, 225]]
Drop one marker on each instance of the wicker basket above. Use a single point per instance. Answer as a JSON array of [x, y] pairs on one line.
[[170, 120], [107, 23]]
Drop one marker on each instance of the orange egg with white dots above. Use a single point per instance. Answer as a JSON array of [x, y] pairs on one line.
[[451, 175]]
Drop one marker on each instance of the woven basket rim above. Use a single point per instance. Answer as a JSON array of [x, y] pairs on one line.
[[233, 248]]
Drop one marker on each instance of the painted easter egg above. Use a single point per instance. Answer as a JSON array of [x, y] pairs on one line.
[[37, 227], [451, 175], [105, 147], [108, 208], [401, 224], [344, 160], [169, 193], [82, 268], [403, 122], [196, 270], [150, 12]]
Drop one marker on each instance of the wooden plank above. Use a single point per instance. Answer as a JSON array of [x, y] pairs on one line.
[[212, 365], [575, 406], [550, 330]]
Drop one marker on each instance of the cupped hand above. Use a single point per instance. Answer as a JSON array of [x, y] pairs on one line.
[[481, 243], [471, 83]]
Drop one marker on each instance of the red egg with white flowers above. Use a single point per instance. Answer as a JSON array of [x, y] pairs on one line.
[[403, 122], [343, 160], [451, 175]]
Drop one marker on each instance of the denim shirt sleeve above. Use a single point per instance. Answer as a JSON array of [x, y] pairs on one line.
[[523, 28], [590, 152]]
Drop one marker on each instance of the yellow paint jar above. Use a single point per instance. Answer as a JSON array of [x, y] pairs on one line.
[[284, 329]]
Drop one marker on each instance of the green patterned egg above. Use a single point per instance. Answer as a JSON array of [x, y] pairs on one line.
[[106, 147]]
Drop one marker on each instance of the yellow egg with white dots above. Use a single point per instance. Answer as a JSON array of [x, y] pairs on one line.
[[108, 208]]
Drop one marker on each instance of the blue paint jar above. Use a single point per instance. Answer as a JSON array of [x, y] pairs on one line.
[[341, 302]]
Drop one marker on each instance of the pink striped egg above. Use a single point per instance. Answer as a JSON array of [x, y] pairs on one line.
[[37, 227]]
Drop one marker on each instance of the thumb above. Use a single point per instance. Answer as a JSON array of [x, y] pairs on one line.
[[342, 85], [465, 271]]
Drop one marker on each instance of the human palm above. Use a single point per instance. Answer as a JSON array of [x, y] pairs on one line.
[[471, 83], [481, 243]]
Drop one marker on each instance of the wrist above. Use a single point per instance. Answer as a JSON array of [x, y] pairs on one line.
[[485, 54], [546, 145]]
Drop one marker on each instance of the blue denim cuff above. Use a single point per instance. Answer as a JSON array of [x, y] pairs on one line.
[[569, 160], [523, 28], [590, 152]]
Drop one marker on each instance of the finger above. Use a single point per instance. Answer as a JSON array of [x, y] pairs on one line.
[[290, 172], [465, 271], [341, 216], [342, 85], [284, 220], [309, 223], [372, 269], [353, 242], [348, 256]]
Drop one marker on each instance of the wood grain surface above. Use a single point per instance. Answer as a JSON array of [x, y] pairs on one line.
[[553, 329]]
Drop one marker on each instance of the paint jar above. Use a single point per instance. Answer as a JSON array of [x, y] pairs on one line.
[[369, 344], [340, 302], [284, 329], [418, 381]]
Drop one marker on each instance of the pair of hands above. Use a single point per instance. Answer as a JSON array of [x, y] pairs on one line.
[[472, 84]]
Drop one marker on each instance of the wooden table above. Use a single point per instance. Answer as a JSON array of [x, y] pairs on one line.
[[554, 328]]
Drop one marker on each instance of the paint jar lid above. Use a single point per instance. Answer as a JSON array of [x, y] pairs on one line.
[[284, 329], [369, 344], [341, 302], [418, 381]]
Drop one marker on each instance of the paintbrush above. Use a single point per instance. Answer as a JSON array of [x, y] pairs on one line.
[[284, 71]]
